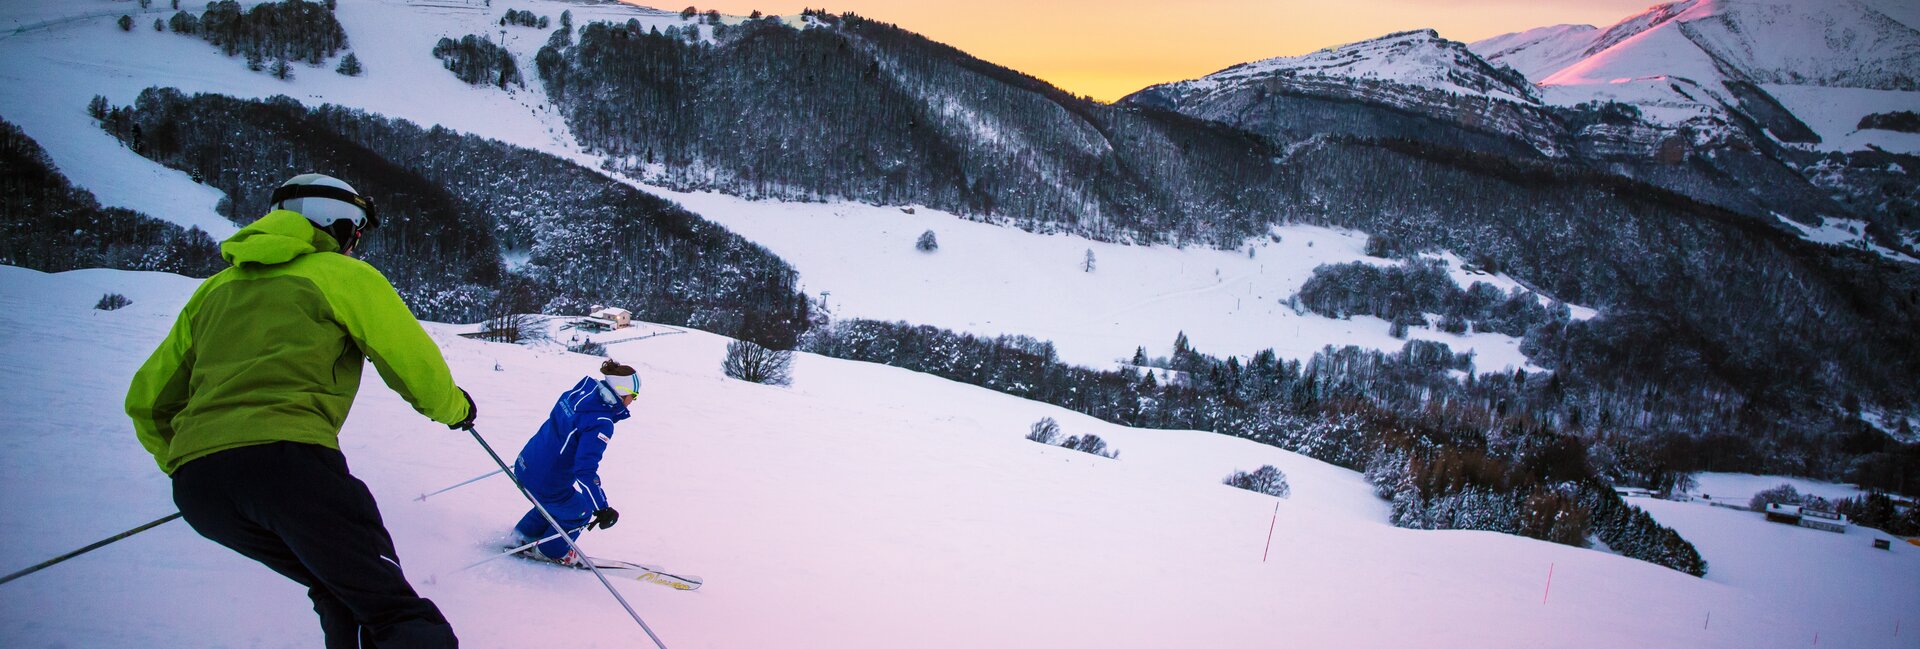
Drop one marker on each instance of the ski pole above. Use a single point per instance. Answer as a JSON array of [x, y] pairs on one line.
[[463, 483], [528, 544], [570, 544], [97, 545]]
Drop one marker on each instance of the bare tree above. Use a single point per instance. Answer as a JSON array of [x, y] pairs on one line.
[[1045, 431], [1091, 443], [514, 328], [750, 362]]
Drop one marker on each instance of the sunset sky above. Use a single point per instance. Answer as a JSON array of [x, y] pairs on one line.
[[1109, 48]]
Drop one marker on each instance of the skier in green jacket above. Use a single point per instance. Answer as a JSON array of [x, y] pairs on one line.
[[242, 405]]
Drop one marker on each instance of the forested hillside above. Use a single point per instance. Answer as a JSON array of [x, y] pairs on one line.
[[457, 208], [48, 224]]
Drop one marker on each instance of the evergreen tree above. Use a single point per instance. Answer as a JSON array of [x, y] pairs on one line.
[[282, 70], [126, 23], [927, 242], [350, 65]]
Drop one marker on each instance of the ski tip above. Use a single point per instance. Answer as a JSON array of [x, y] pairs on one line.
[[676, 582]]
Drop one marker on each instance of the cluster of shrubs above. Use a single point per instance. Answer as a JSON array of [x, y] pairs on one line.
[[291, 30], [112, 302], [476, 60], [1905, 121], [1267, 480], [1403, 295], [1047, 431], [523, 18]]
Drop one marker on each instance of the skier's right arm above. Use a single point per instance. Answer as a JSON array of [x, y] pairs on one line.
[[159, 389], [407, 359]]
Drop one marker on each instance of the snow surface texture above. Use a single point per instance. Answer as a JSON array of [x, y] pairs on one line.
[[985, 280], [865, 506], [1815, 56]]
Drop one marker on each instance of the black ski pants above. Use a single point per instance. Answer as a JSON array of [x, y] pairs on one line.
[[295, 508]]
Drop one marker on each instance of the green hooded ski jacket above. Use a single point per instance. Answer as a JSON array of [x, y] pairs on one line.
[[271, 349]]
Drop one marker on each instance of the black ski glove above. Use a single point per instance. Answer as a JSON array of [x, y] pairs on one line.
[[472, 411], [605, 518]]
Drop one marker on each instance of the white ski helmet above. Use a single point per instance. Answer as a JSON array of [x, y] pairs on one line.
[[330, 204]]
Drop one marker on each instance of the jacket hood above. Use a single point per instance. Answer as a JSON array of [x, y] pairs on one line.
[[608, 404], [277, 238]]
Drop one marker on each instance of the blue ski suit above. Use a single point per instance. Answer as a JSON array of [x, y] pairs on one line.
[[561, 464]]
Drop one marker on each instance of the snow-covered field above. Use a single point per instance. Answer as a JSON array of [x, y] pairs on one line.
[[991, 280], [1738, 488], [865, 506]]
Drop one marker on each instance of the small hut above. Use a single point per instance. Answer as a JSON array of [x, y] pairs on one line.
[[608, 318]]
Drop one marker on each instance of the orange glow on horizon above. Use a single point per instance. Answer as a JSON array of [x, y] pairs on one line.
[[1110, 49]]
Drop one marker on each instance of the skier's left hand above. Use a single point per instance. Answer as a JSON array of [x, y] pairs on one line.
[[605, 518]]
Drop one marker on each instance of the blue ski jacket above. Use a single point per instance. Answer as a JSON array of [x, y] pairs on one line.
[[564, 457]]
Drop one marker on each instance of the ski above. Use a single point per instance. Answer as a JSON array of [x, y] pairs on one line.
[[649, 574], [638, 571]]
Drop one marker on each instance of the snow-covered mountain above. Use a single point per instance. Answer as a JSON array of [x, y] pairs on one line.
[[1418, 58], [1699, 61], [1416, 76]]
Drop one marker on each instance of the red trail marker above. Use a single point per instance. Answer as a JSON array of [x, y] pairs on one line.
[[1276, 519]]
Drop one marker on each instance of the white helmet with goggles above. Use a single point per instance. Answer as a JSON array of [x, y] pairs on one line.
[[330, 204]]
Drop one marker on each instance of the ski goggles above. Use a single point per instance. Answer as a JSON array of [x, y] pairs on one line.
[[367, 209], [624, 385]]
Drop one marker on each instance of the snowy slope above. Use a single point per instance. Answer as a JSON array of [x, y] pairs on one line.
[[865, 506], [1538, 50]]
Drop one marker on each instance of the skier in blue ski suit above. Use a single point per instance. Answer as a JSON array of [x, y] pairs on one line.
[[561, 464]]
